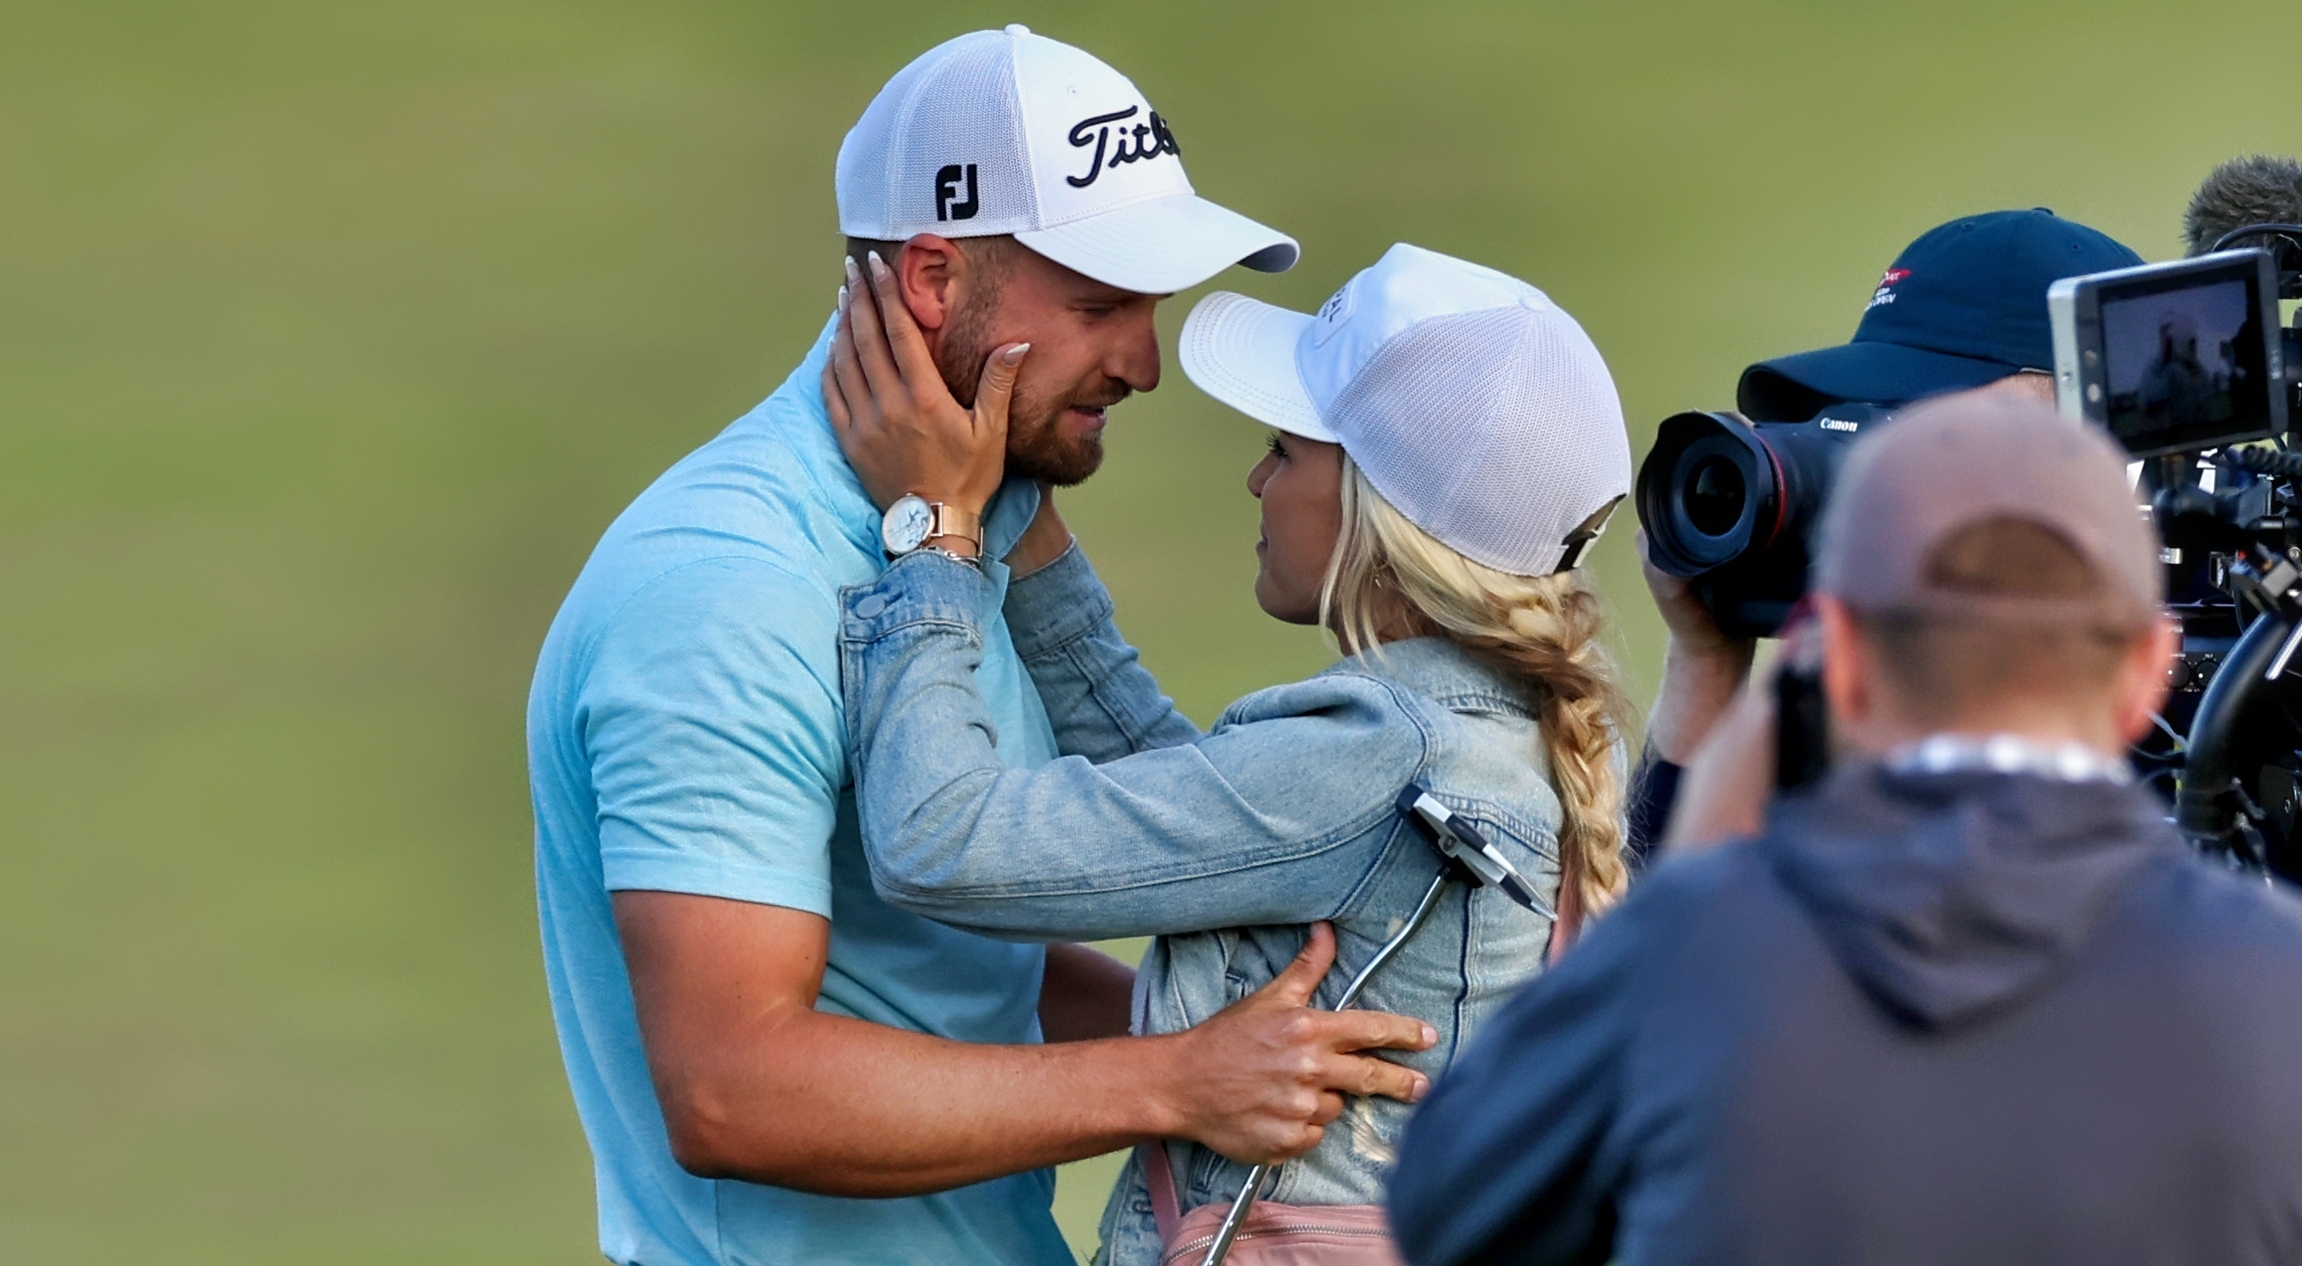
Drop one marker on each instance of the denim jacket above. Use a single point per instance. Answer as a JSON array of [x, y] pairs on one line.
[[1224, 845]]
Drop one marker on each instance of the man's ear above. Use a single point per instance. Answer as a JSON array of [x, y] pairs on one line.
[[2140, 689], [1849, 684], [931, 272]]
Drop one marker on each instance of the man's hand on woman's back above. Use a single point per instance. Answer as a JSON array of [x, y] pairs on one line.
[[1261, 1080], [758, 1085]]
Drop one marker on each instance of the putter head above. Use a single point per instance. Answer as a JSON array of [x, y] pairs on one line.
[[1463, 847]]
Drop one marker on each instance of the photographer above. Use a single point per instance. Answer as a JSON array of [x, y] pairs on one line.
[[1962, 308], [1970, 1000]]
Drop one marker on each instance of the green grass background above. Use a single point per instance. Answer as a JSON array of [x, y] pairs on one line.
[[331, 335]]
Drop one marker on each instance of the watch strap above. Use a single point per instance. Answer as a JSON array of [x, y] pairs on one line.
[[945, 519], [974, 560]]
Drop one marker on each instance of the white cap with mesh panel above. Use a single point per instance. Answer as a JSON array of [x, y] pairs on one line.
[[1475, 405], [1000, 132]]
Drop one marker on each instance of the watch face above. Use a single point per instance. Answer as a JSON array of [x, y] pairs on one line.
[[905, 525]]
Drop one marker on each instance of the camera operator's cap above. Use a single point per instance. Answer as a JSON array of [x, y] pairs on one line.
[[1478, 408], [1963, 305], [1907, 487], [1000, 132]]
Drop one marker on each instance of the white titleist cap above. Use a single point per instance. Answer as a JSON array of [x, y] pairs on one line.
[[1478, 408], [1001, 132]]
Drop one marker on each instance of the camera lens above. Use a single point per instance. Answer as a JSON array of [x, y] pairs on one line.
[[1731, 505], [1712, 496], [1701, 490]]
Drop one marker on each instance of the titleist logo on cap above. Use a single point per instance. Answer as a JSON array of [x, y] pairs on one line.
[[1148, 139]]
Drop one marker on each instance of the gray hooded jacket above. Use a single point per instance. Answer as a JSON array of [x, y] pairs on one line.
[[1968, 1018]]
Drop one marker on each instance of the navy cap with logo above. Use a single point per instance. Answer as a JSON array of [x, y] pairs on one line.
[[1963, 305]]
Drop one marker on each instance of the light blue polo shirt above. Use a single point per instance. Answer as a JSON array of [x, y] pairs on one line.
[[685, 734]]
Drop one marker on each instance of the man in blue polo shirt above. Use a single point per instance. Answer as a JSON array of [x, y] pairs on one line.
[[758, 1045]]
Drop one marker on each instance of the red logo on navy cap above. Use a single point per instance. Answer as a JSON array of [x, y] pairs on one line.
[[1886, 284]]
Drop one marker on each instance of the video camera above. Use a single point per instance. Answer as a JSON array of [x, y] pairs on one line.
[[2187, 364]]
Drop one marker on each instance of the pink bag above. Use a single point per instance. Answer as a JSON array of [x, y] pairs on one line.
[[1273, 1234]]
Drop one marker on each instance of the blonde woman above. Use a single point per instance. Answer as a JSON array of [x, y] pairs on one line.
[[1447, 443]]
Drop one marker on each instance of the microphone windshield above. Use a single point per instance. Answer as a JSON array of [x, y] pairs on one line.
[[2254, 190]]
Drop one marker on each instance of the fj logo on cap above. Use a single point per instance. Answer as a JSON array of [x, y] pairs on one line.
[[955, 193], [1144, 140]]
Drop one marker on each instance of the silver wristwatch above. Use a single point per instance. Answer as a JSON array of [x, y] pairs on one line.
[[913, 521]]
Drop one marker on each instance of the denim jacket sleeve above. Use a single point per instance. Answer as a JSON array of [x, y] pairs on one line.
[[1101, 700], [1278, 816]]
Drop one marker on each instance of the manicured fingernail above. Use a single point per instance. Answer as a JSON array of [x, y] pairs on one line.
[[843, 298], [852, 274], [878, 265], [1014, 355]]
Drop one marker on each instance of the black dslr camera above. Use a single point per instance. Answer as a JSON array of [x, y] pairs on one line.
[[1731, 506]]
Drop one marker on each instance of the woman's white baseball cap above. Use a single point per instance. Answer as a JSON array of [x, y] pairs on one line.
[[1475, 405], [1000, 132]]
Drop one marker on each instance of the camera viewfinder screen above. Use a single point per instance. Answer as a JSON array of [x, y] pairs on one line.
[[2185, 365]]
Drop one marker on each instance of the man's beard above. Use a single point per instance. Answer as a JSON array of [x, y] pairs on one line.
[[1036, 445]]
